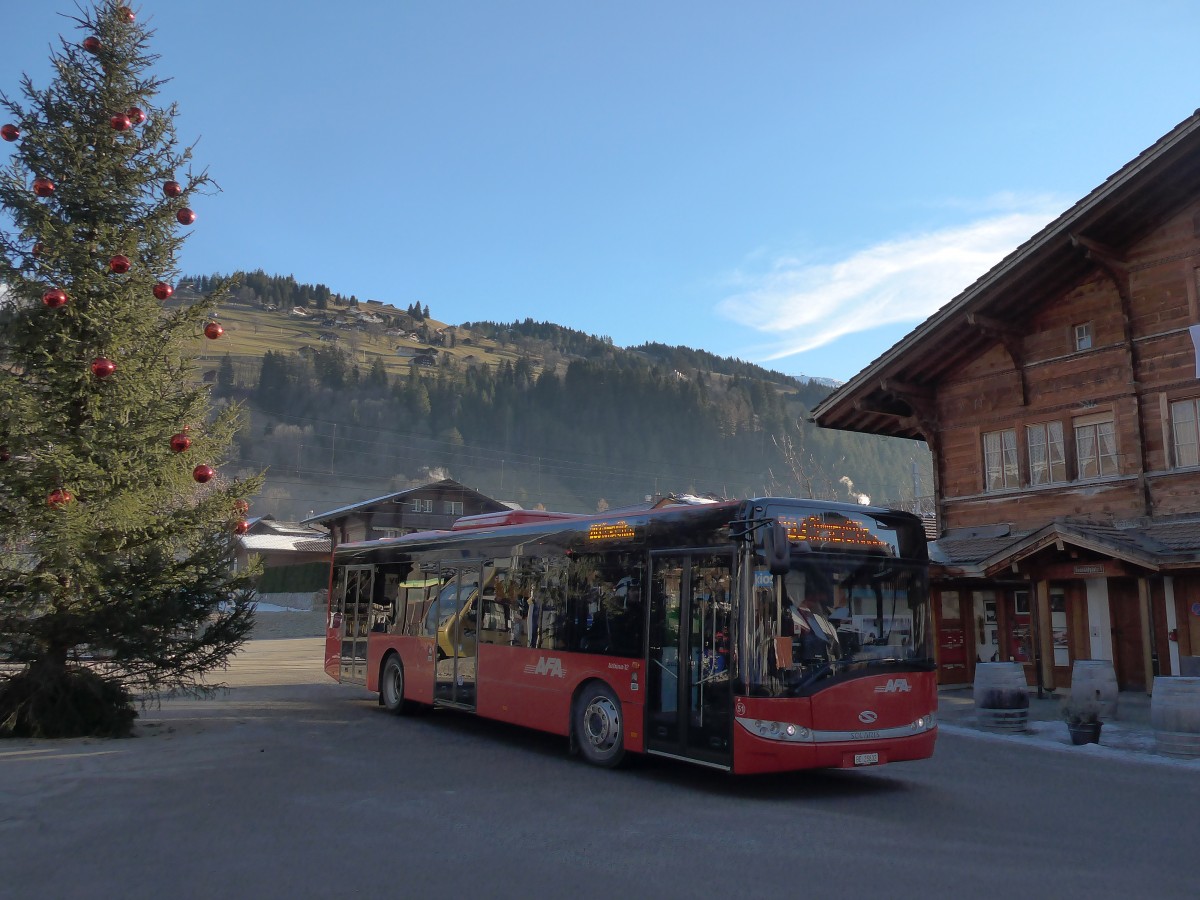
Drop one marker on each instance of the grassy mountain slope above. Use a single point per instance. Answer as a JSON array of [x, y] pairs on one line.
[[354, 400]]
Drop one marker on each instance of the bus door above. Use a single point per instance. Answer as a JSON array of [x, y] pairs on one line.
[[456, 612], [689, 698], [351, 610]]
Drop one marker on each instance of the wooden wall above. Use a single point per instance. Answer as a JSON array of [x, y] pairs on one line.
[[1133, 372]]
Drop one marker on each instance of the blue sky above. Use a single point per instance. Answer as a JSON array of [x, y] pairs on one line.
[[792, 183]]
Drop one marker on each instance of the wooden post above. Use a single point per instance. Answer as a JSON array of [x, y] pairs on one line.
[[1147, 633], [1045, 635]]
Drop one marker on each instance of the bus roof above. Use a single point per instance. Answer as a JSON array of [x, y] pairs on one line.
[[610, 525], [509, 517]]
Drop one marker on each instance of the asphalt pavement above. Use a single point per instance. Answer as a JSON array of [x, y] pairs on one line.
[[290, 785]]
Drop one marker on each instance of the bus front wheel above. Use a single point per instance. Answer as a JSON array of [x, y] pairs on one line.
[[599, 725], [391, 687]]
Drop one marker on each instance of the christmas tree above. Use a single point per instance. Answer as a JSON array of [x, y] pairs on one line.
[[117, 549]]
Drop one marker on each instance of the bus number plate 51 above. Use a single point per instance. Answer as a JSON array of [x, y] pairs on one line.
[[866, 759]]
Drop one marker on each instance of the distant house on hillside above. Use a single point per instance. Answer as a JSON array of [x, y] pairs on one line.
[[430, 507]]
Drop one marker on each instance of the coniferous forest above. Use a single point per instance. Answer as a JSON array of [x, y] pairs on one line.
[[535, 413]]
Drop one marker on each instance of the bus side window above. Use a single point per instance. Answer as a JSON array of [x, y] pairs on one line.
[[495, 612], [604, 608], [419, 601], [548, 613]]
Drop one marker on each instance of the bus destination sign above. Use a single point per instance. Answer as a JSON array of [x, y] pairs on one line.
[[843, 531], [610, 531]]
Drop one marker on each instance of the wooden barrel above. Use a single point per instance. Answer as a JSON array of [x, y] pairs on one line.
[[1175, 716], [1001, 697], [1095, 679]]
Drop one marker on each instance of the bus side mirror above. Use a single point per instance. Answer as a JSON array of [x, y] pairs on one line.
[[776, 549]]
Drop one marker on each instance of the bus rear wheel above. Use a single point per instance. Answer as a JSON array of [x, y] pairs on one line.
[[599, 725], [391, 687]]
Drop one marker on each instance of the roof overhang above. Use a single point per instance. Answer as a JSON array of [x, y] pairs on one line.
[[1059, 536], [894, 394]]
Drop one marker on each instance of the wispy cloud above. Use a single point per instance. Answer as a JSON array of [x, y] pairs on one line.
[[808, 303]]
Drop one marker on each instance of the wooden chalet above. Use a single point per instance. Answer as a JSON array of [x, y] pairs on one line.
[[430, 507], [1060, 397]]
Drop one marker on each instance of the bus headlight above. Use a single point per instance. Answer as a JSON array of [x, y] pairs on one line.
[[926, 723], [776, 731]]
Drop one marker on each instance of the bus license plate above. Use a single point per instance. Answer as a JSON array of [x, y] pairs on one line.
[[866, 759]]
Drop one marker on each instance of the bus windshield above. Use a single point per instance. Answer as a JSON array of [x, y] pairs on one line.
[[831, 616]]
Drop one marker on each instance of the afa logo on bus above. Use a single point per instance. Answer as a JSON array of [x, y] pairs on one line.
[[551, 666]]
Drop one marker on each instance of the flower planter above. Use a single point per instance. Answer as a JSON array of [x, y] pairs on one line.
[[1084, 733]]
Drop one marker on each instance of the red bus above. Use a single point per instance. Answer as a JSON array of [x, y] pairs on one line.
[[761, 635]]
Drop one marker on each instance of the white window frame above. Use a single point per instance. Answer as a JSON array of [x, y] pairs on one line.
[[422, 505], [1001, 469], [1047, 453], [1185, 432], [452, 507], [1083, 336], [1092, 458]]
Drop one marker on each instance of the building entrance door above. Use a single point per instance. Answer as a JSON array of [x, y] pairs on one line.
[[952, 641], [1128, 659]]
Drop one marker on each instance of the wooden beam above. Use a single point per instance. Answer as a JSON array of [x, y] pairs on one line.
[[1011, 338], [988, 325], [864, 406], [1147, 633], [904, 390], [1045, 635], [1100, 252]]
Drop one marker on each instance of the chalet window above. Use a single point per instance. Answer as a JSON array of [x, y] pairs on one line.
[[1095, 447], [1047, 458], [1185, 418], [452, 507], [420, 505], [1083, 336], [1000, 460]]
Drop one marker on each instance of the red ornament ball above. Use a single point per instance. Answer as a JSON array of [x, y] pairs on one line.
[[126, 13], [10, 132], [172, 189], [37, 249], [241, 527], [120, 122], [5, 455], [213, 330], [58, 498], [118, 265], [203, 473], [135, 115], [92, 44], [43, 187], [102, 367], [185, 216], [163, 291], [180, 442], [241, 507], [54, 298]]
